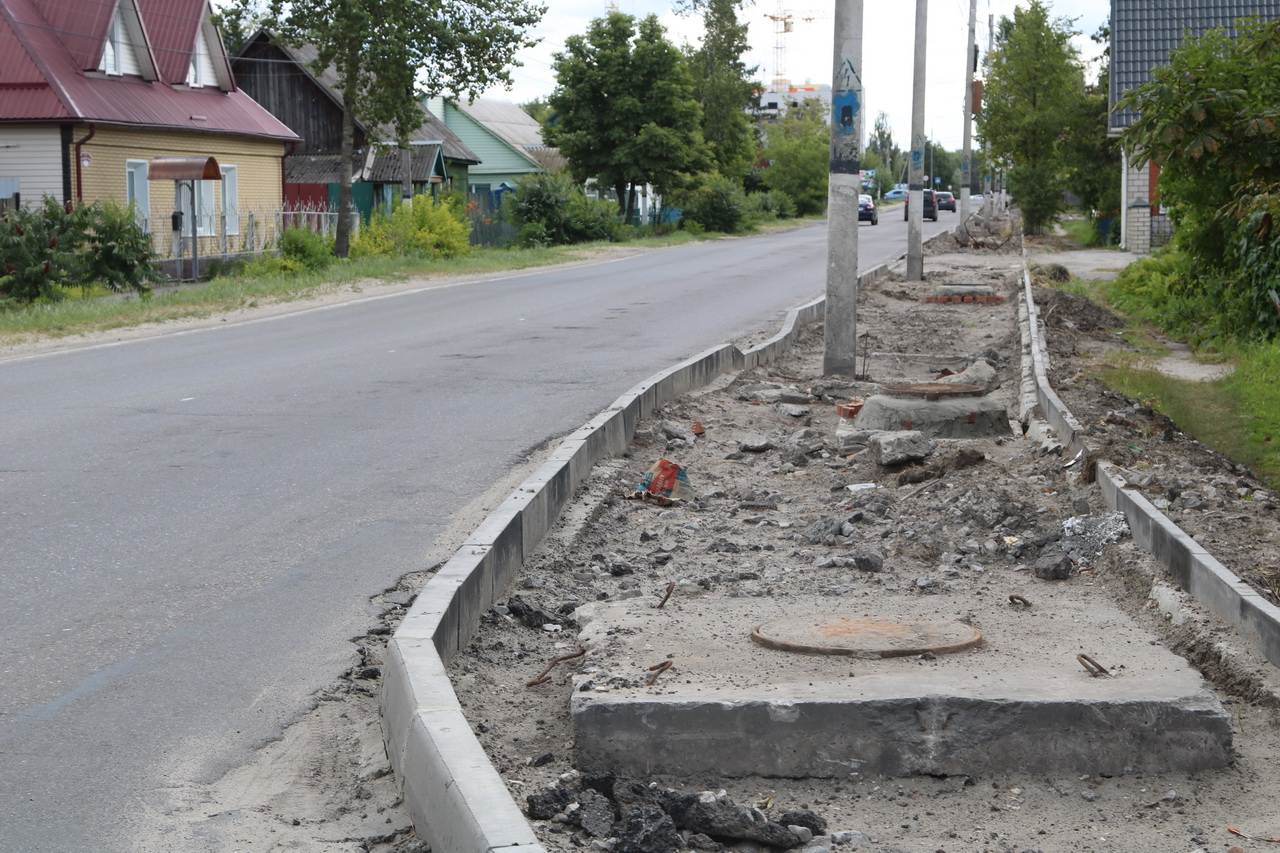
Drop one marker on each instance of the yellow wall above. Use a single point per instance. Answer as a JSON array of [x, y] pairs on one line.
[[257, 162]]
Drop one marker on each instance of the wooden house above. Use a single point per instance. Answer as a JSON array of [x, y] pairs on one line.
[[284, 79]]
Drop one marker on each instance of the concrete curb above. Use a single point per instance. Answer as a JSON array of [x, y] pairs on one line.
[[1192, 567], [455, 796]]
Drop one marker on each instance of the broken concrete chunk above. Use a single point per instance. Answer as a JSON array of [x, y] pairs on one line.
[[824, 531], [794, 410], [646, 828], [529, 615], [979, 373], [754, 442], [595, 813], [546, 804], [678, 432], [967, 457], [897, 448], [721, 817], [806, 818], [1053, 566], [868, 560]]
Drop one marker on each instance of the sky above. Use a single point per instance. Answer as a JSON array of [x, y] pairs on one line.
[[888, 39]]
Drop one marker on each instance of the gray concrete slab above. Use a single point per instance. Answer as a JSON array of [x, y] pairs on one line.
[[1020, 703], [960, 417]]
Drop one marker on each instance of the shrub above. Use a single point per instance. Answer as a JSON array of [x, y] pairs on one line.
[[773, 204], [117, 251], [717, 203], [798, 151], [312, 251], [550, 209], [48, 249], [426, 228]]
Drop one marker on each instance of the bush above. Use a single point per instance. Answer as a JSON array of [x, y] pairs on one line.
[[798, 151], [550, 209], [117, 251], [771, 205], [426, 228], [51, 248], [717, 203], [310, 250]]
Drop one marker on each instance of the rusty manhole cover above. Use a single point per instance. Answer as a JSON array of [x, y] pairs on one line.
[[864, 637], [934, 390]]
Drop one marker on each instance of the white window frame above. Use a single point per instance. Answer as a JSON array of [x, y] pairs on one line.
[[206, 223], [231, 205], [142, 191]]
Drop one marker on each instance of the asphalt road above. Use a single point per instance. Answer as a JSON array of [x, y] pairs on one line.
[[192, 524]]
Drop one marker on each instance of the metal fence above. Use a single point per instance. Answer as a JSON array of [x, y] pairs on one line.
[[488, 227], [1161, 229], [239, 234]]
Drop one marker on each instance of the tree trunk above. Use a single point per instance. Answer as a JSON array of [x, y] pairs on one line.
[[631, 202], [342, 240], [406, 174], [620, 188]]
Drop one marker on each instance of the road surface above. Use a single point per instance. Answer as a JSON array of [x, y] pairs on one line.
[[192, 524]]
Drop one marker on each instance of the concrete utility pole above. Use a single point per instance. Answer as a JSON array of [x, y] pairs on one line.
[[966, 157], [841, 340], [915, 184], [988, 181]]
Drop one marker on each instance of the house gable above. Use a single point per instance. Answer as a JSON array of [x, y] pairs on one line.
[[497, 156], [124, 49]]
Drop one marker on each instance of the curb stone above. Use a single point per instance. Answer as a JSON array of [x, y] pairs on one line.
[[1190, 565], [454, 795]]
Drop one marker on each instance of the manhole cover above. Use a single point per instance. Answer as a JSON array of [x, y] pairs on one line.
[[865, 637], [934, 390]]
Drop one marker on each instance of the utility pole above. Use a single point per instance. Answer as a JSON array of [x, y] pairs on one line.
[[845, 184], [915, 184], [966, 157], [988, 182]]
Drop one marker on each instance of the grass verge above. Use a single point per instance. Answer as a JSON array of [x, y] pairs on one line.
[[90, 311], [1238, 416]]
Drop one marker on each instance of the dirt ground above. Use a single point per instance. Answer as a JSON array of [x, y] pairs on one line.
[[969, 537]]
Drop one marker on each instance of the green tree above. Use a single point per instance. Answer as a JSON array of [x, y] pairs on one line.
[[539, 110], [1093, 157], [1033, 88], [889, 156], [1211, 119], [724, 88], [390, 53], [238, 20], [798, 151], [626, 112]]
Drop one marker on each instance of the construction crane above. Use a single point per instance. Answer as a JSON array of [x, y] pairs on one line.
[[784, 22]]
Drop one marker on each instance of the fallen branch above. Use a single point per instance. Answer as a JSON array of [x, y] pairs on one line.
[[1091, 666], [671, 587]]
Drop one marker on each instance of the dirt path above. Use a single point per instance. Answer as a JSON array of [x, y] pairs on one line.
[[754, 537]]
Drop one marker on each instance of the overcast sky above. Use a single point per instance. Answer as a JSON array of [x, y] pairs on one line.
[[887, 49]]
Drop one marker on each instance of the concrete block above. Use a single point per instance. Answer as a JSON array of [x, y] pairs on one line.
[[456, 799], [953, 417], [502, 532], [897, 447], [413, 679], [911, 725]]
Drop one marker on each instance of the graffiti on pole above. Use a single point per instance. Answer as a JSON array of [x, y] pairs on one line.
[[846, 104]]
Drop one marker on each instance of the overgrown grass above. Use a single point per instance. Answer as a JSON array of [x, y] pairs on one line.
[[1238, 416], [1080, 231]]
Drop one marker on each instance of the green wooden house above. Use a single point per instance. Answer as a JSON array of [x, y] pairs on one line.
[[506, 140]]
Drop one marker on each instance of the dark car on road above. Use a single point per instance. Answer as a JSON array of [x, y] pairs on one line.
[[867, 210], [930, 207], [946, 201]]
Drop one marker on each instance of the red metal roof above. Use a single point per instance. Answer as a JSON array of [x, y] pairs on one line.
[[41, 78], [171, 29]]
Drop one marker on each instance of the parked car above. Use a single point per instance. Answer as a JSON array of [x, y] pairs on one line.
[[930, 207], [946, 201], [867, 210], [895, 195]]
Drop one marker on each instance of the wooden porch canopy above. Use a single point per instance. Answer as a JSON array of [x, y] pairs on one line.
[[184, 169]]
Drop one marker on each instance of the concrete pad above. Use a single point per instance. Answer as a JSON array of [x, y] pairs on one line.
[[1020, 703], [960, 417]]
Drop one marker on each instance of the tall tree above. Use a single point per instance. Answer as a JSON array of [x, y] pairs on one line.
[[798, 151], [890, 158], [1033, 88], [238, 20], [626, 113], [724, 87], [388, 54], [1093, 157]]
